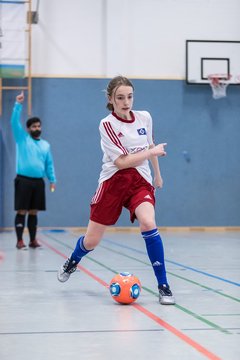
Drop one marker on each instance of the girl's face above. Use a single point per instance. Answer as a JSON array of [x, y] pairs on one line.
[[122, 101]]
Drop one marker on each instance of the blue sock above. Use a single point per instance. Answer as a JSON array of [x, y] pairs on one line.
[[155, 252], [79, 250]]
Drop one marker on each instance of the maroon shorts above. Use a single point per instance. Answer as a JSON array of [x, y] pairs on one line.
[[126, 188]]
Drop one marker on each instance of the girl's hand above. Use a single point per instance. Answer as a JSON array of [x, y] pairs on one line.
[[158, 182], [159, 150]]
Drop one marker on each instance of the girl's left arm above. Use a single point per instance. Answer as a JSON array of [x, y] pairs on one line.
[[157, 178]]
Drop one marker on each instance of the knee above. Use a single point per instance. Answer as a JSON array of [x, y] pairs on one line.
[[147, 225], [32, 212], [21, 212], [90, 242]]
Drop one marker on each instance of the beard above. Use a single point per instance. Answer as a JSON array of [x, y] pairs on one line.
[[35, 134]]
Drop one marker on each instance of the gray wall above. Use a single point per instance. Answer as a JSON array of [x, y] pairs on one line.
[[138, 38], [200, 189]]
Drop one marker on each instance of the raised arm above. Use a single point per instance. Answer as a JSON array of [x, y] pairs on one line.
[[17, 128], [20, 98]]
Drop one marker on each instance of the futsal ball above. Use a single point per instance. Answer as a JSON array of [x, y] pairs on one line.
[[125, 288]]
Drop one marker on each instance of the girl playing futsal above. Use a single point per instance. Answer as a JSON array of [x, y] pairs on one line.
[[125, 181]]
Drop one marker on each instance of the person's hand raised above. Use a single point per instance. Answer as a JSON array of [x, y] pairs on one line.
[[20, 98]]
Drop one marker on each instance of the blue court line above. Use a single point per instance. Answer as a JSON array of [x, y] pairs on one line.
[[176, 263], [204, 273]]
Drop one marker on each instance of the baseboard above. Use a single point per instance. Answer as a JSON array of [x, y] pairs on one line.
[[136, 228]]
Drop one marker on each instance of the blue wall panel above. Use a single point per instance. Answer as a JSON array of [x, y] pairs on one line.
[[1, 181], [201, 171]]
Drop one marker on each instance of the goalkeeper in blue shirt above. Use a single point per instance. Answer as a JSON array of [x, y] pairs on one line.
[[34, 162]]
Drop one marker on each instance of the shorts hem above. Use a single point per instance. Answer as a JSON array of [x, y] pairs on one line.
[[102, 222], [133, 215]]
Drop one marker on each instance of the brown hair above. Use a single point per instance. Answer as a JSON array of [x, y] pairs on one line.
[[114, 84]]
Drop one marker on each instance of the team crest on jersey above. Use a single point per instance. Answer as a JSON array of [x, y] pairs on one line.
[[141, 131], [120, 134]]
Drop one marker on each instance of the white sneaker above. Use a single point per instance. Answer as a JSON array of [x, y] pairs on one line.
[[66, 270], [165, 295]]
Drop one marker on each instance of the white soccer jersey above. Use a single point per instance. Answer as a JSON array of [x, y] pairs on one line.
[[122, 137]]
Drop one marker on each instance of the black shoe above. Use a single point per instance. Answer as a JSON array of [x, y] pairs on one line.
[[66, 270], [165, 295]]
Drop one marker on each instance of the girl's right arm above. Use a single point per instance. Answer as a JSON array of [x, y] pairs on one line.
[[133, 160]]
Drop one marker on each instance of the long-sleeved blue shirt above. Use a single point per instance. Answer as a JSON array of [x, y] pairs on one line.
[[33, 157]]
